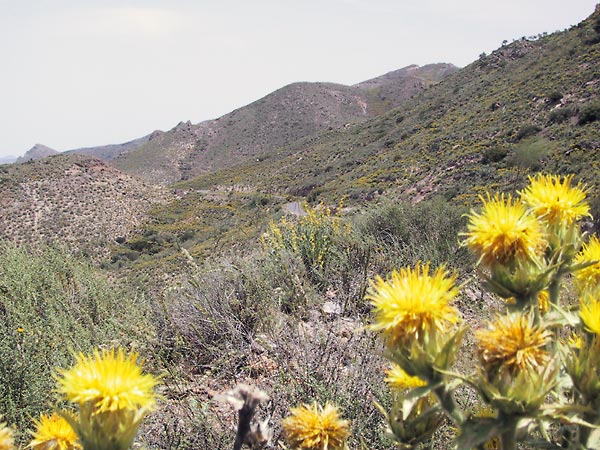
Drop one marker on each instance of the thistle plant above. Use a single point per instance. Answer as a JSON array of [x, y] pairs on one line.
[[7, 441], [316, 427], [113, 397], [537, 387], [53, 432]]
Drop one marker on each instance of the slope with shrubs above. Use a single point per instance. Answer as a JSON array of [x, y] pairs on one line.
[[77, 200], [530, 105], [52, 304], [291, 113]]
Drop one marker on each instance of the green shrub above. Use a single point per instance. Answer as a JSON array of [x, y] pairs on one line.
[[560, 115], [493, 154], [554, 96], [589, 113], [531, 153], [312, 237], [52, 304], [422, 232], [526, 131]]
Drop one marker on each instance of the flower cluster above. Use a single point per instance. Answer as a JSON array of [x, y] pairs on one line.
[[312, 236], [525, 246], [113, 396]]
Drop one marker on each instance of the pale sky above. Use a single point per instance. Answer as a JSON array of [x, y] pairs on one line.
[[80, 73]]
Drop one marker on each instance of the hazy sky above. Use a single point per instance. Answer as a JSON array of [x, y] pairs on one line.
[[81, 73]]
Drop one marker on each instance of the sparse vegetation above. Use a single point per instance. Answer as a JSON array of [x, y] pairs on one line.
[[51, 305], [238, 287]]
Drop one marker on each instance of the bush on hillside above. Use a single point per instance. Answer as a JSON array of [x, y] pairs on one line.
[[560, 115], [589, 113], [493, 155], [527, 130], [411, 233], [51, 305]]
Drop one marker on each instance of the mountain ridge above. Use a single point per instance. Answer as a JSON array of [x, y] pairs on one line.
[[293, 112], [38, 151], [528, 106]]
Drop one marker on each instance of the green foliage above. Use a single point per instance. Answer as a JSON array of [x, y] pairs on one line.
[[312, 237], [530, 153], [589, 113], [560, 115], [408, 233], [52, 304], [527, 130], [494, 155], [554, 96]]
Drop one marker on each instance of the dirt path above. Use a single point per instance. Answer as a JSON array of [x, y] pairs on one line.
[[294, 208]]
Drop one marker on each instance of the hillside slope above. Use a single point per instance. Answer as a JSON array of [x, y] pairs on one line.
[[287, 115], [530, 105], [396, 87], [74, 199], [111, 151]]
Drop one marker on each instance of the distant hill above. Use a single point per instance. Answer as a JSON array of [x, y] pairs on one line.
[[396, 87], [75, 199], [531, 105], [109, 152], [292, 113], [38, 151], [7, 159]]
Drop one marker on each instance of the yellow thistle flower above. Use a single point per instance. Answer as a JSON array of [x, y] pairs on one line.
[[543, 301], [53, 433], [589, 277], [514, 344], [555, 200], [113, 396], [590, 315], [315, 427], [398, 379], [7, 441], [504, 231], [412, 302], [110, 381]]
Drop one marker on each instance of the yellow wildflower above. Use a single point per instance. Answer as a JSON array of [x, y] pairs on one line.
[[398, 379], [412, 302], [555, 200], [111, 381], [7, 441], [53, 433], [543, 301], [113, 396], [589, 277], [504, 231], [590, 315], [315, 427], [514, 344]]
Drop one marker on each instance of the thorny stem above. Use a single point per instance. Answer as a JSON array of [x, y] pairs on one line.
[[509, 436], [584, 432], [447, 402], [554, 290]]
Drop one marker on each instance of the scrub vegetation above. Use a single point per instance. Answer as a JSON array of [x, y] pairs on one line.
[[271, 278]]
